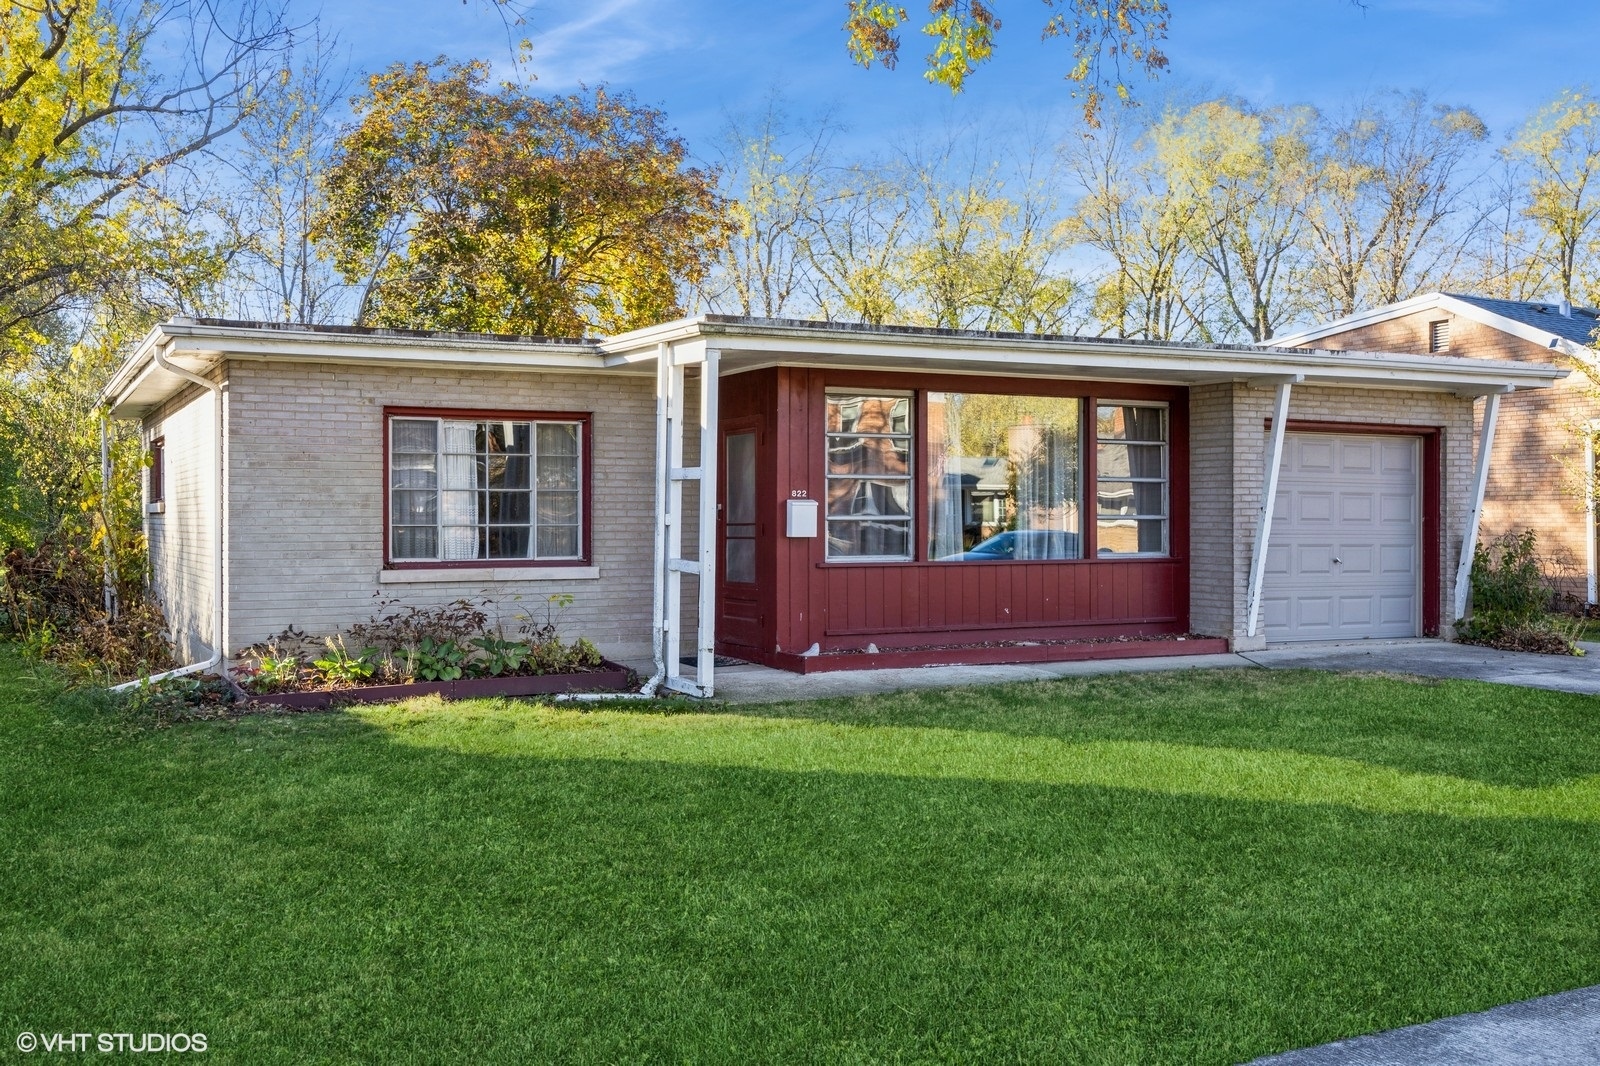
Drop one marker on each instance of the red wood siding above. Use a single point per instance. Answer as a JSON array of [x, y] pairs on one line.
[[843, 606]]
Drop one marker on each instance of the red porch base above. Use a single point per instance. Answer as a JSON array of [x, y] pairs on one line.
[[997, 654]]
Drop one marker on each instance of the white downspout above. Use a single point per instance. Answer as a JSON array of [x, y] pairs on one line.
[[1589, 547], [1269, 497], [108, 572], [217, 589], [1480, 482]]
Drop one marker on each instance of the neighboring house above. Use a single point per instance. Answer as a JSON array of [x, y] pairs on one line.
[[1543, 454], [310, 474]]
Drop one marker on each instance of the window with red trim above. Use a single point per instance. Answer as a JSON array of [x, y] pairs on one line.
[[481, 487]]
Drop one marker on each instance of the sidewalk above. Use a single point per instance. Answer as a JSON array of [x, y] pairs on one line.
[[1559, 1030], [749, 683]]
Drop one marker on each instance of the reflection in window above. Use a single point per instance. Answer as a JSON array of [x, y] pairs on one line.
[[869, 476], [1004, 477], [1131, 471], [461, 490]]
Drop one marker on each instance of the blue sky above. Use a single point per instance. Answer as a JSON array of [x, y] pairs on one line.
[[699, 60]]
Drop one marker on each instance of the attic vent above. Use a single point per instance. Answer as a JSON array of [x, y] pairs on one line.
[[1439, 336]]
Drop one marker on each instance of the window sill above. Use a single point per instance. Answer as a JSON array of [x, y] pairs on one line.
[[456, 575]]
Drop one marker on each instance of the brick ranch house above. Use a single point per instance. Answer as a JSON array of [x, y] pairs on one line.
[[1543, 454], [882, 495]]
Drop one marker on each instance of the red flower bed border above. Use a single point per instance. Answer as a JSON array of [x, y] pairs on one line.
[[609, 677]]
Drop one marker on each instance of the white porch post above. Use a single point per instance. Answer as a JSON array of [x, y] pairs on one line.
[[1480, 481], [658, 611], [1269, 496], [671, 475], [706, 619]]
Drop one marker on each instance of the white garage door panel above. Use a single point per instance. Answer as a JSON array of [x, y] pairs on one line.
[[1344, 559]]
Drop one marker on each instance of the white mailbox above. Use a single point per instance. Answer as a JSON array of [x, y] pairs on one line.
[[802, 518]]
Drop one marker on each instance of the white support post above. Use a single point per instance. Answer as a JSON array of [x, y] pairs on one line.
[[672, 609], [1269, 496], [1480, 481], [671, 475], [658, 612], [706, 620]]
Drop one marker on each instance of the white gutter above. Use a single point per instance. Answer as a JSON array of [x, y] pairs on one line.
[[217, 626]]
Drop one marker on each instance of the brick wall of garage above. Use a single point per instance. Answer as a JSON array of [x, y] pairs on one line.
[[1537, 463], [1229, 446]]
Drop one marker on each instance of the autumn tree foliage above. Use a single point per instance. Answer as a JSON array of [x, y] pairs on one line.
[[462, 207], [92, 125], [1109, 40]]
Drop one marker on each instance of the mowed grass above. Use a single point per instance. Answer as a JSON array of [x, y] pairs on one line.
[[1185, 868]]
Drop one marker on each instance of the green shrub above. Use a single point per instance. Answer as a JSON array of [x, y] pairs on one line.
[[1511, 599]]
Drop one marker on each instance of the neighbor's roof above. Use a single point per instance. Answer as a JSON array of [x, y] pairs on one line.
[[1540, 323], [200, 345]]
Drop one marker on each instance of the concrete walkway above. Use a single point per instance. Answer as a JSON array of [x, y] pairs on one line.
[[1559, 1030], [1427, 658]]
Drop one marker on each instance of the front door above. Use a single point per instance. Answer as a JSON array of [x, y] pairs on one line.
[[739, 533]]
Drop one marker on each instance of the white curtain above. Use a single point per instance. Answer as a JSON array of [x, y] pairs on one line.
[[458, 492], [946, 520], [1045, 458]]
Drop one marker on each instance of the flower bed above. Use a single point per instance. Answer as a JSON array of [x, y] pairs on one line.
[[607, 677], [448, 651]]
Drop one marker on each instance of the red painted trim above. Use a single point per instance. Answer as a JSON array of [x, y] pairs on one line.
[[1089, 493], [158, 470], [585, 419], [984, 656], [1432, 507]]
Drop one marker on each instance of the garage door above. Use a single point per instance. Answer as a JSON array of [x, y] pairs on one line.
[[1344, 558]]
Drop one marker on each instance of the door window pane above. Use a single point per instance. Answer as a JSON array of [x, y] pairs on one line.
[[739, 556]]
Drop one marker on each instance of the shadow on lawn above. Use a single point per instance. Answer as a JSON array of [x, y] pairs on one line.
[[1482, 732], [801, 745], [503, 882]]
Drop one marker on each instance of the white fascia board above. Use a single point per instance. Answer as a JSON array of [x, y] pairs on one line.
[[1306, 338], [765, 343], [235, 342]]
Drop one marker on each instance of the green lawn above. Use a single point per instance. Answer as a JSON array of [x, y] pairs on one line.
[[1184, 868]]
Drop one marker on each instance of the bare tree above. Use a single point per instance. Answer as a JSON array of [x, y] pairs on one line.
[[1388, 190], [1558, 149], [285, 144], [775, 172], [1244, 177], [1155, 288]]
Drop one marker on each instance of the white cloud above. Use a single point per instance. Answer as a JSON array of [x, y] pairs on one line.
[[599, 41]]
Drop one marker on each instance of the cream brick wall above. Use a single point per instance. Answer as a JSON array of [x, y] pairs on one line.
[[1536, 466], [306, 497], [180, 538], [1231, 419]]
